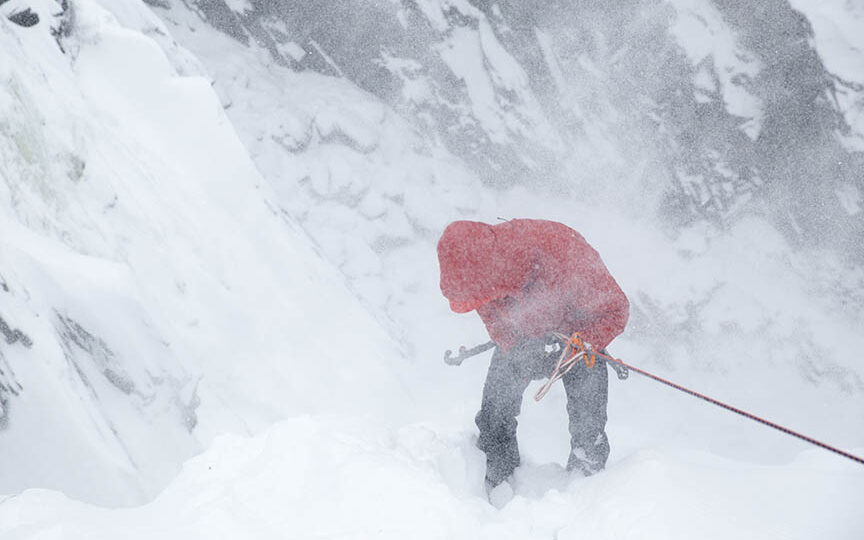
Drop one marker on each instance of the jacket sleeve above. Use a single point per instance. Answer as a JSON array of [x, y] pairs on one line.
[[605, 308], [606, 322]]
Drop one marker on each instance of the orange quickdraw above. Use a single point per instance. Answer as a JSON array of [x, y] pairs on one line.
[[577, 345], [575, 349]]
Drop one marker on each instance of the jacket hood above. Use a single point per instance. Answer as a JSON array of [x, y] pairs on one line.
[[474, 269]]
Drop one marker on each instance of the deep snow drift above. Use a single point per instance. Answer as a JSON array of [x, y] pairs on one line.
[[325, 478], [154, 250]]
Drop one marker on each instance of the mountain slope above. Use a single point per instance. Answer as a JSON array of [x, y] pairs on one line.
[[155, 199], [163, 293], [717, 107]]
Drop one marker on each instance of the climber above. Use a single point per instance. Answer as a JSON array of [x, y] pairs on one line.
[[528, 280]]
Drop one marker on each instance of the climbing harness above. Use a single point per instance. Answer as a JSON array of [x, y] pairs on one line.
[[575, 349], [464, 354]]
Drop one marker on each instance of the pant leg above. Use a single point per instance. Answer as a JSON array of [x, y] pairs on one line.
[[501, 404], [587, 393]]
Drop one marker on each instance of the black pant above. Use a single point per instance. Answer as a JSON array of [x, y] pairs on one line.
[[509, 375]]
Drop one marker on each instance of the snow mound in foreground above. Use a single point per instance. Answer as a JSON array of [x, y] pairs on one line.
[[323, 477]]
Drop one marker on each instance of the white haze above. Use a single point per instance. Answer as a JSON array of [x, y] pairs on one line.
[[250, 250]]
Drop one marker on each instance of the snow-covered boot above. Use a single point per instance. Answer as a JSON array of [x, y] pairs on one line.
[[499, 495], [581, 462]]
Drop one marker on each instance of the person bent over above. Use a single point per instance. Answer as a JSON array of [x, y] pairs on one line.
[[529, 280]]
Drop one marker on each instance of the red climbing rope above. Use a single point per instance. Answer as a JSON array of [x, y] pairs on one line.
[[576, 349]]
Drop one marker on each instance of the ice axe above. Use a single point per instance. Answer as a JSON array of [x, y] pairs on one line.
[[464, 353]]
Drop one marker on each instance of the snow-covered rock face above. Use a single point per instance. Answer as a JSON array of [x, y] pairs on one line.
[[157, 288], [145, 276], [679, 108], [710, 102], [367, 166]]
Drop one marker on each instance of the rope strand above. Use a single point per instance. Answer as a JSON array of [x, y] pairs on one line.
[[576, 349], [736, 410]]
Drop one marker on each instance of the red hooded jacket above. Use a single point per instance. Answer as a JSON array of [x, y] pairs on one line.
[[528, 277]]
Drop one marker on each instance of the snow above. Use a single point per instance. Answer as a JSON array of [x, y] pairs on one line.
[[705, 37], [136, 212], [255, 248], [240, 6], [320, 477], [479, 60], [840, 43], [850, 198]]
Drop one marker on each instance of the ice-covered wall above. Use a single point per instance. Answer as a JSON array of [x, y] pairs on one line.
[[157, 295]]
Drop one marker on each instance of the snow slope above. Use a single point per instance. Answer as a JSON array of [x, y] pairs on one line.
[[345, 166], [164, 295], [314, 477], [181, 250]]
